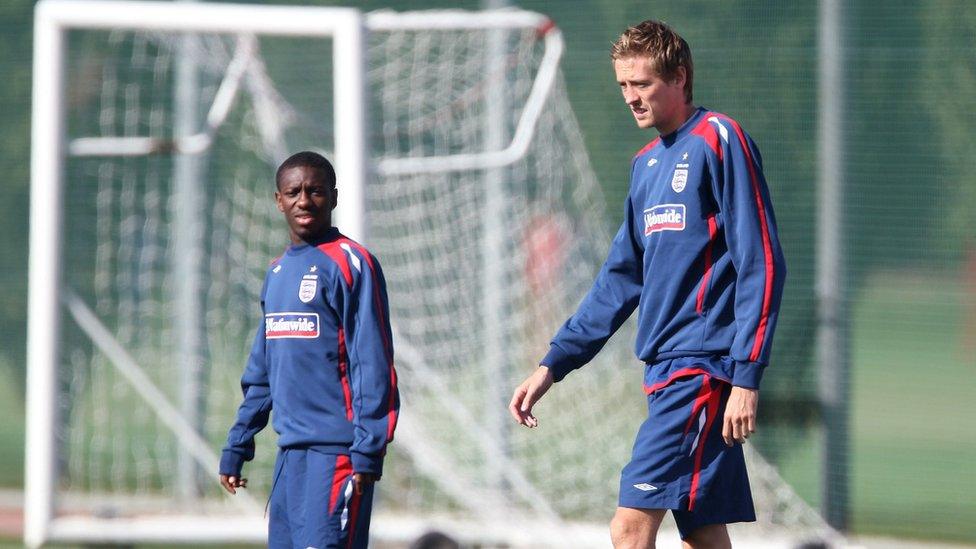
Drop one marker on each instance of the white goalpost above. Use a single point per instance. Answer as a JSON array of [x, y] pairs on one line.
[[53, 20], [156, 130]]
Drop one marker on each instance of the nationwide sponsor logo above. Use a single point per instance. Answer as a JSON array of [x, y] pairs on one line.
[[306, 290], [291, 325], [679, 180], [645, 487], [664, 217]]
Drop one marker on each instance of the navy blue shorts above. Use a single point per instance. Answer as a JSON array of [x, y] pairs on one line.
[[313, 503], [680, 461]]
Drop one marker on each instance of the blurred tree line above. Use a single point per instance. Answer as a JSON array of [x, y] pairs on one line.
[[15, 86]]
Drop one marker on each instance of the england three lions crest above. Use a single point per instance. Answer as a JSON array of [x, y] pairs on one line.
[[306, 291], [680, 179], [664, 217]]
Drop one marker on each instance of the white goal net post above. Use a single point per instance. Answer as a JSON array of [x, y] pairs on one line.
[[459, 164]]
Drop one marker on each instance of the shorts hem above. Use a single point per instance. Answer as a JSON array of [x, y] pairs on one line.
[[685, 530], [663, 500]]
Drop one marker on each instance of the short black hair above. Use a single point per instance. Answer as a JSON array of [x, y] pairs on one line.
[[307, 159]]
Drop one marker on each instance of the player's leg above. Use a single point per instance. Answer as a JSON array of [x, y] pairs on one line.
[[334, 515], [279, 518], [713, 536], [655, 478], [355, 531], [719, 491], [635, 528]]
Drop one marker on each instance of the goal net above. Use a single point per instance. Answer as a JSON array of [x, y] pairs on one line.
[[482, 207]]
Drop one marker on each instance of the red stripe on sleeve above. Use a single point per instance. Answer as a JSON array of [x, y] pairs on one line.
[[712, 231], [344, 373], [334, 252], [709, 133], [767, 245], [391, 426], [387, 347]]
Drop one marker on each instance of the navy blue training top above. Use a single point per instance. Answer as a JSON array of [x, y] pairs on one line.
[[322, 358], [697, 255]]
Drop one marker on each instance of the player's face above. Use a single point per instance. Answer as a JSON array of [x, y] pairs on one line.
[[307, 201], [654, 102]]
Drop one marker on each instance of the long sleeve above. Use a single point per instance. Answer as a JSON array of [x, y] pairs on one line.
[[369, 340], [751, 236], [612, 299], [253, 413]]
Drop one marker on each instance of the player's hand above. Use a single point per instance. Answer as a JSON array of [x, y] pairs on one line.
[[527, 394], [362, 480], [740, 415], [231, 483]]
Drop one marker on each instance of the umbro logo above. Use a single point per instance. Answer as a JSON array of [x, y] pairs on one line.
[[645, 487], [276, 269], [651, 162]]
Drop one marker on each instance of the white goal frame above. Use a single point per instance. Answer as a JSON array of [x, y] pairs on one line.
[[348, 28]]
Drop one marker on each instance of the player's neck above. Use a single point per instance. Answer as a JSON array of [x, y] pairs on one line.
[[320, 237], [682, 114]]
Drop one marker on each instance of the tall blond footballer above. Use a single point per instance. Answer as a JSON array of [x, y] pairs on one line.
[[698, 256]]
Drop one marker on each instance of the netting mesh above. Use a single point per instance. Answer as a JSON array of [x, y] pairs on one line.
[[477, 285]]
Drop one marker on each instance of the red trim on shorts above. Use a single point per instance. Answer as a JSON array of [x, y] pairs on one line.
[[684, 372], [343, 469], [714, 401], [353, 515], [700, 401]]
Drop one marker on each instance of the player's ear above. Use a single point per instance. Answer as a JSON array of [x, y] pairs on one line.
[[680, 76], [281, 207], [334, 197]]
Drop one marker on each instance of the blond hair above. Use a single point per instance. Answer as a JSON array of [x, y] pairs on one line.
[[665, 49]]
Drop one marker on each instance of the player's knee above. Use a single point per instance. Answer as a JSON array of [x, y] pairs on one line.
[[713, 536], [627, 532]]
